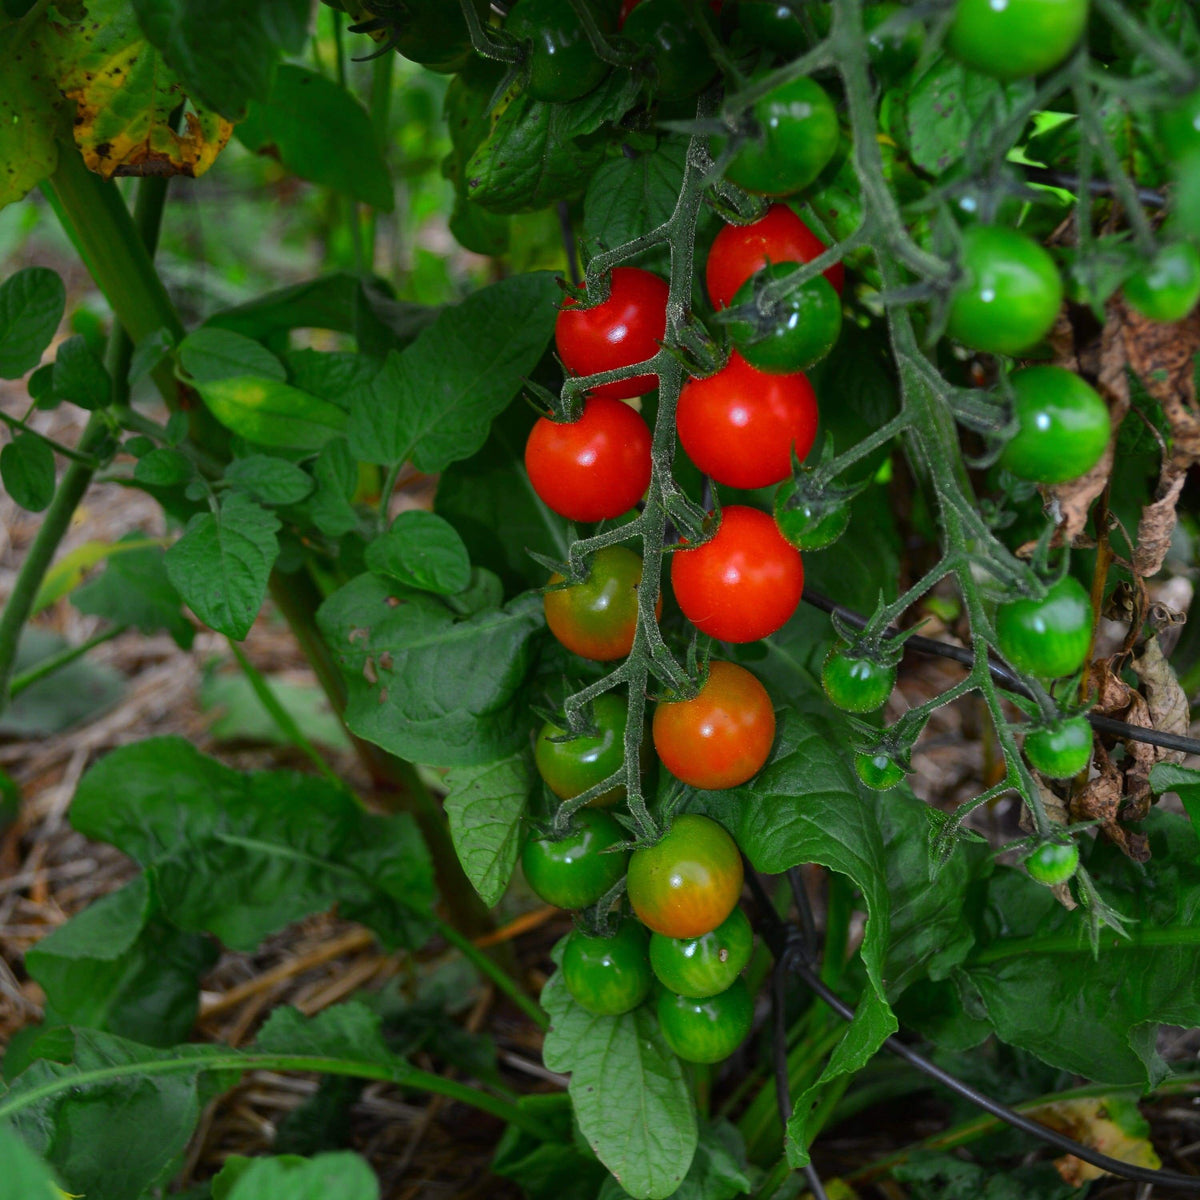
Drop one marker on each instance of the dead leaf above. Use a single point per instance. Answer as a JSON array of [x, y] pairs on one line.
[[1111, 1124]]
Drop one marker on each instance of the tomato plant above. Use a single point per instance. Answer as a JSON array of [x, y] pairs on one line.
[[789, 334], [742, 425], [576, 870], [744, 582], [722, 735], [689, 881], [569, 767], [703, 966], [592, 468], [707, 1030], [621, 331], [1018, 38], [1048, 636], [608, 975], [1063, 426], [1062, 749]]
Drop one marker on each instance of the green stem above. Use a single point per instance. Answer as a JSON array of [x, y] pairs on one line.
[[1069, 943], [64, 658], [57, 447], [495, 973]]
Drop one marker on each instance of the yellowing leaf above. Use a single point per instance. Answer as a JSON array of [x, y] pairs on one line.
[[1111, 1124], [67, 574], [125, 94], [270, 413], [28, 111]]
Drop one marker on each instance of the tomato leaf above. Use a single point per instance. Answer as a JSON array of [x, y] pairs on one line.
[[29, 122], [269, 480], [339, 1175], [631, 1099], [31, 307], [25, 1175], [425, 684], [336, 474], [164, 467], [422, 551], [221, 564], [27, 470], [485, 805], [718, 1170], [628, 197], [80, 375], [273, 414], [435, 401], [211, 353]]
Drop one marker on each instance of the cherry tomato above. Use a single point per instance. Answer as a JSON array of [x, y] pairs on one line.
[[796, 332], [740, 425], [796, 134], [571, 767], [774, 26], [878, 771], [593, 468], [1179, 127], [562, 63], [706, 965], [681, 59], [722, 736], [809, 524], [1048, 637], [1168, 288], [1052, 863], [622, 331], [688, 882], [738, 251], [857, 685], [574, 871], [1009, 294], [608, 975], [1016, 38], [434, 34], [597, 618], [707, 1031], [894, 53], [1063, 426], [742, 584], [1061, 750]]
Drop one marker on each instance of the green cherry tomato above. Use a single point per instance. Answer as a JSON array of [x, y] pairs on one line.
[[857, 685], [1009, 293], [795, 135], [878, 771], [562, 64], [891, 54], [1015, 38], [688, 882], [1063, 426], [571, 767], [703, 966], [792, 333], [1167, 289], [1061, 750], [574, 871], [608, 975], [431, 32], [1179, 127], [809, 524], [709, 1030], [1048, 638], [774, 26], [681, 58], [1052, 863]]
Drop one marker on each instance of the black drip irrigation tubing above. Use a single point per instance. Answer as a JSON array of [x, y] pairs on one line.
[[795, 952]]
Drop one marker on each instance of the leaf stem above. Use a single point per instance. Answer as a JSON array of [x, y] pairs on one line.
[[64, 658]]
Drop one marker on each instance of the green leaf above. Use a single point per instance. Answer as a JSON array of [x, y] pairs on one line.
[[269, 480], [31, 301], [238, 713], [435, 401], [718, 1170], [80, 376], [628, 197], [269, 413], [631, 1099], [1032, 975], [342, 1175], [488, 498], [134, 590], [209, 354], [329, 374], [27, 469], [951, 107], [148, 353], [935, 1176], [538, 152], [347, 1031], [565, 1169], [426, 685], [294, 124], [336, 473], [118, 966], [422, 551], [1167, 777], [242, 855], [29, 123], [25, 1176], [485, 805], [225, 51], [164, 467], [221, 564], [467, 110]]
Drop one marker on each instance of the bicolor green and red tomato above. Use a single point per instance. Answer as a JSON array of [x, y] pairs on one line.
[[608, 975], [575, 871], [708, 1030], [706, 965]]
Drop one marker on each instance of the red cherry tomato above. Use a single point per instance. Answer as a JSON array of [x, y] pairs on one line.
[[723, 735], [626, 329], [742, 584], [593, 468], [740, 250], [740, 425]]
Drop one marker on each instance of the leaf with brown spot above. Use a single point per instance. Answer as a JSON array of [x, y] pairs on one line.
[[30, 111], [1111, 1124]]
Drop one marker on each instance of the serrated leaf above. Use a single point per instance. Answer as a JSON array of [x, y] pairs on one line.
[[485, 805], [31, 302], [422, 551], [269, 480], [80, 376], [27, 471], [630, 1096], [628, 197], [435, 401], [329, 374], [426, 684], [293, 123], [211, 353], [336, 473], [29, 123], [221, 564], [718, 1170]]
